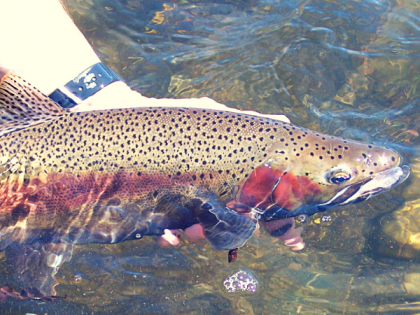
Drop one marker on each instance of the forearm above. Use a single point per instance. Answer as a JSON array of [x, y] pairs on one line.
[[42, 44]]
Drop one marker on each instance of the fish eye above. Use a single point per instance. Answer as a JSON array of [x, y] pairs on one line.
[[339, 177]]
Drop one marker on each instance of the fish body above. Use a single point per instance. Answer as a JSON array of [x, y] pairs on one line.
[[115, 175]]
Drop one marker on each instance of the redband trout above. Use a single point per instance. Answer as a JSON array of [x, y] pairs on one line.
[[116, 175]]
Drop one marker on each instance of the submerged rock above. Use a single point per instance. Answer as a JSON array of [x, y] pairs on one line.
[[242, 280]]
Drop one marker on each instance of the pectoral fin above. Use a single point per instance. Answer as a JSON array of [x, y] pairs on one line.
[[35, 266], [223, 227]]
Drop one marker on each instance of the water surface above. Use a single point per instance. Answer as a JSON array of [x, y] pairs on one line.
[[347, 68]]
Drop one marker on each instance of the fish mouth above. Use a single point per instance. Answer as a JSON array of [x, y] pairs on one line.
[[374, 185]]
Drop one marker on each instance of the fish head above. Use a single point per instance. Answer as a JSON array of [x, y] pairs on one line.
[[310, 172]]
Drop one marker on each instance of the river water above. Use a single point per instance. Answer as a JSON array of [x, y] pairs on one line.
[[342, 67]]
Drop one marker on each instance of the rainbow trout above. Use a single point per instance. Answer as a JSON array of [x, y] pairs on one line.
[[116, 175]]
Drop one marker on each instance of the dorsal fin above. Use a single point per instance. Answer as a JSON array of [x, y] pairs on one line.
[[22, 105]]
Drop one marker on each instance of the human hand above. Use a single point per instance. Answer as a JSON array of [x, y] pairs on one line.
[[119, 95]]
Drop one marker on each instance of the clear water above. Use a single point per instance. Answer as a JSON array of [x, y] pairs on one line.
[[348, 68]]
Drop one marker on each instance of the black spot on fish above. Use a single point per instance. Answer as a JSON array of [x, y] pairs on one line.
[[19, 213]]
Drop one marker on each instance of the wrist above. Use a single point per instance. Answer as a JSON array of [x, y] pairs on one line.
[[85, 85], [116, 95]]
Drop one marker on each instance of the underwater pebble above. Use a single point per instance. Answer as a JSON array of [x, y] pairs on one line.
[[302, 218], [326, 218], [243, 280]]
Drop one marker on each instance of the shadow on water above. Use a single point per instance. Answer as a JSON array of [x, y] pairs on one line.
[[347, 68]]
